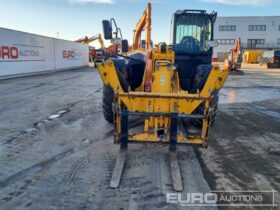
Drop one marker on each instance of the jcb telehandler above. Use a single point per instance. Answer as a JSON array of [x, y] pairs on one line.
[[164, 85]]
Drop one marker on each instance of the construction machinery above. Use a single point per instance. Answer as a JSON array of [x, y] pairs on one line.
[[144, 23], [271, 58], [251, 56], [170, 88], [96, 56], [233, 63]]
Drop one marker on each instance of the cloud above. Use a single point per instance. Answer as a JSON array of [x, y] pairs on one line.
[[240, 2], [91, 1]]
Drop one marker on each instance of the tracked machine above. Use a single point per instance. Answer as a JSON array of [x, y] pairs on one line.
[[233, 63], [170, 87]]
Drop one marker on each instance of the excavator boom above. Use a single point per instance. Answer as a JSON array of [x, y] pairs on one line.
[[233, 62], [143, 23], [87, 40]]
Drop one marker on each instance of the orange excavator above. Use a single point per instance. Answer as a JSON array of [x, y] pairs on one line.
[[233, 63], [96, 56], [143, 23]]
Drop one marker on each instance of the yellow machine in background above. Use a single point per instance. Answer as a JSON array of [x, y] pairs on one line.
[[163, 86], [252, 56]]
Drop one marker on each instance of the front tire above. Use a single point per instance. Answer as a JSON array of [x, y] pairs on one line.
[[108, 98], [213, 113]]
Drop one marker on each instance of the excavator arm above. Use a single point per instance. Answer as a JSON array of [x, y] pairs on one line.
[[101, 42], [236, 51], [233, 61], [87, 40], [143, 23]]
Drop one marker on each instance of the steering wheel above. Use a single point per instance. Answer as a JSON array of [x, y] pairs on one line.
[[189, 42]]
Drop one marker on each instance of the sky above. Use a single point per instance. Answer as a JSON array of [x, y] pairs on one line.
[[73, 19]]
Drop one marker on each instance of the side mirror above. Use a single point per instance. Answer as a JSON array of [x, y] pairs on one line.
[[107, 29], [213, 44], [124, 45]]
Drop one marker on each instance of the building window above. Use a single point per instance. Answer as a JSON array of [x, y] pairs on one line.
[[255, 43], [225, 41], [227, 28], [279, 28], [278, 41], [257, 28]]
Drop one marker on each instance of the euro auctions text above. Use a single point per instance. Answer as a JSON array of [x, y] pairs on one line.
[[19, 52], [223, 198]]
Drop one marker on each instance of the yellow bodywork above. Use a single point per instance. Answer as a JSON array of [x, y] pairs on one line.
[[164, 98]]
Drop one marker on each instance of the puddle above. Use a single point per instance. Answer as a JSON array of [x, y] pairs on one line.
[[39, 124], [62, 112], [54, 116], [58, 114], [30, 130], [87, 141], [247, 95]]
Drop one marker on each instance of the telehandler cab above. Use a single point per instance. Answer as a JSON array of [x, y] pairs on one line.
[[164, 85]]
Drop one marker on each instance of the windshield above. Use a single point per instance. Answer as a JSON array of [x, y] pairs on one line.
[[193, 31]]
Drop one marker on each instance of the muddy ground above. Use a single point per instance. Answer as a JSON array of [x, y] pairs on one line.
[[243, 153], [57, 152]]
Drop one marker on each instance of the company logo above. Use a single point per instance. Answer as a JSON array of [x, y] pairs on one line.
[[68, 54], [9, 52], [19, 52], [223, 198], [72, 54]]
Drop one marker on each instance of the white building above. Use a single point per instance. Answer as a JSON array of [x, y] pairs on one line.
[[256, 32]]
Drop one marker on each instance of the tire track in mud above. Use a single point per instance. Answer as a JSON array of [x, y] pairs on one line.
[[33, 169], [75, 170], [5, 103], [100, 172], [68, 185], [37, 125], [12, 146], [238, 158]]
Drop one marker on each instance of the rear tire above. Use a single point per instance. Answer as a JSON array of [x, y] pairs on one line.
[[213, 113], [108, 98]]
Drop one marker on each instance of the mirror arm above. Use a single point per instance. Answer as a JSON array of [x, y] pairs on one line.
[[118, 30]]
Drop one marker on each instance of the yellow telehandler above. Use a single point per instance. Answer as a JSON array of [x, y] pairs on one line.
[[163, 85]]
